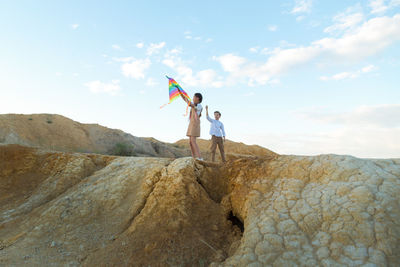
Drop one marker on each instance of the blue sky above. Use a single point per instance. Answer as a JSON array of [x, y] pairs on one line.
[[298, 77]]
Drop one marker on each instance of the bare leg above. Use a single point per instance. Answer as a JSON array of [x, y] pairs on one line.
[[191, 147], [196, 149]]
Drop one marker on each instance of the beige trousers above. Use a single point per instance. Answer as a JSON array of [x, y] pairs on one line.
[[215, 140]]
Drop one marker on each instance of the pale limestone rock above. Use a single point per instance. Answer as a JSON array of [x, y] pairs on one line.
[[81, 209], [342, 211]]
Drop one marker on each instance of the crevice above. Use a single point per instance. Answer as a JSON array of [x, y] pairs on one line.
[[140, 209], [236, 221], [198, 175], [214, 180]]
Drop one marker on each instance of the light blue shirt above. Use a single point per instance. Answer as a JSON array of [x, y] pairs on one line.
[[217, 127]]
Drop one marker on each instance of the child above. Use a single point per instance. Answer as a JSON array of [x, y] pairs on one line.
[[194, 125], [217, 131]]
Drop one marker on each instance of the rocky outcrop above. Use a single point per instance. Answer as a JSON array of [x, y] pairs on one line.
[[58, 133], [234, 150], [81, 209], [327, 210], [86, 210]]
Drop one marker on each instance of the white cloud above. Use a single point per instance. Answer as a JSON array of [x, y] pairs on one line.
[[173, 52], [270, 51], [381, 6], [151, 82], [204, 78], [395, 3], [272, 28], [345, 21], [136, 68], [300, 18], [285, 59], [366, 40], [116, 47], [74, 26], [368, 68], [349, 75], [240, 70], [123, 59], [339, 76], [284, 43], [378, 6], [230, 62], [155, 48], [254, 49], [100, 87], [302, 6], [190, 36], [387, 116], [140, 45], [366, 131], [357, 141]]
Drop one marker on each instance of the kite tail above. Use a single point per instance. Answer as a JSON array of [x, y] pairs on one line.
[[187, 111], [163, 105]]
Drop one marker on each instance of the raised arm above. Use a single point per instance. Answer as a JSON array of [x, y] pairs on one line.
[[208, 117], [185, 99]]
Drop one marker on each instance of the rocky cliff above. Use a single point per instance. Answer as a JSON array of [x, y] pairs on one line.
[[87, 210]]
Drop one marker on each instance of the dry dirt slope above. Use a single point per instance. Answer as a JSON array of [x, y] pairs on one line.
[[56, 132], [88, 210]]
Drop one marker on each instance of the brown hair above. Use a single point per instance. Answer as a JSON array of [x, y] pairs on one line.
[[200, 97]]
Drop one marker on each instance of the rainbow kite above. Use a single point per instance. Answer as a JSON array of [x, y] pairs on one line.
[[175, 91]]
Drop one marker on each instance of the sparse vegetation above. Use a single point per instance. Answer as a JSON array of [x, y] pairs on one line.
[[122, 149]]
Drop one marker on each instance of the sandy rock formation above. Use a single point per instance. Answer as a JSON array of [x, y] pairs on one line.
[[56, 132], [88, 210]]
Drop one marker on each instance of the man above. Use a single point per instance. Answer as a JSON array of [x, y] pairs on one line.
[[217, 132]]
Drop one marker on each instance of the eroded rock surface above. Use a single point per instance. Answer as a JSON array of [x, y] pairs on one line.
[[87, 210], [327, 210]]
